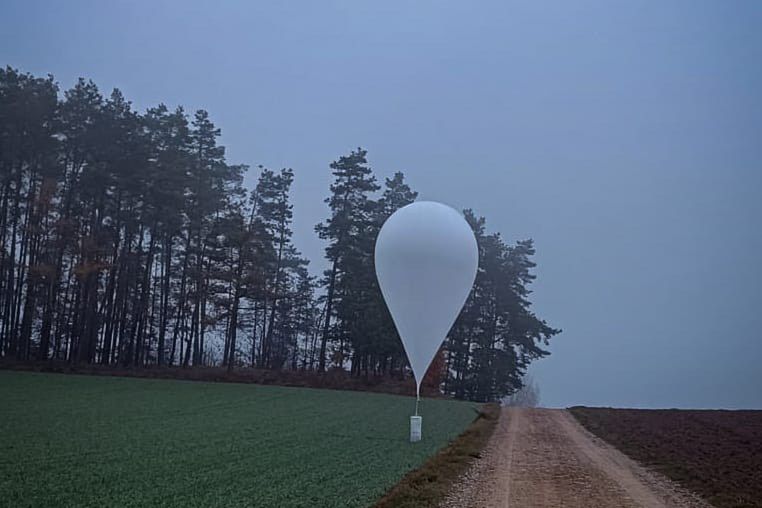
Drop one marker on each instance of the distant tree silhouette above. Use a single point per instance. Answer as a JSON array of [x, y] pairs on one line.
[[526, 396]]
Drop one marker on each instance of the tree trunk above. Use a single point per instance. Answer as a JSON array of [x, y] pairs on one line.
[[327, 323]]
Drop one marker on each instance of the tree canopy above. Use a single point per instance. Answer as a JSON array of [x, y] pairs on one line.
[[127, 238]]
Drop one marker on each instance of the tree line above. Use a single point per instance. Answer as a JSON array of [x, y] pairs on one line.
[[128, 239]]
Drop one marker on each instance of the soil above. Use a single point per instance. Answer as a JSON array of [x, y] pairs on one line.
[[544, 457], [717, 454]]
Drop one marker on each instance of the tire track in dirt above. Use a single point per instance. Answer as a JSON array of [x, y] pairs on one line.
[[543, 457]]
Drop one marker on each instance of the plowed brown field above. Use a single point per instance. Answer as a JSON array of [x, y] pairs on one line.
[[717, 454]]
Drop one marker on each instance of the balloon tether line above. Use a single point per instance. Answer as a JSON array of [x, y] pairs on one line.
[[417, 398]]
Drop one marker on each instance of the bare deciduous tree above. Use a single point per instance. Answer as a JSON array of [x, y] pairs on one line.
[[527, 396]]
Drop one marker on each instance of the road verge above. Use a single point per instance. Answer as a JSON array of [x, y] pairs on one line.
[[428, 485]]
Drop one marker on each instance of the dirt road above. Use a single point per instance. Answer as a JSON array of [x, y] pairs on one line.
[[543, 457]]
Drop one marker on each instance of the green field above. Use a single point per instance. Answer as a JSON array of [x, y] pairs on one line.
[[70, 440]]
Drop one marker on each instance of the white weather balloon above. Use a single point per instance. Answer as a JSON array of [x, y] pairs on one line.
[[426, 261]]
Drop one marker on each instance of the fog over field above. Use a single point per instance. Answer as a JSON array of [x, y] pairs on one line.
[[624, 138]]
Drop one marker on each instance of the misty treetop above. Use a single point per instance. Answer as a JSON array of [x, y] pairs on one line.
[[127, 238]]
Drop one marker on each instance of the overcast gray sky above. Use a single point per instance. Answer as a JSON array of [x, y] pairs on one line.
[[624, 137]]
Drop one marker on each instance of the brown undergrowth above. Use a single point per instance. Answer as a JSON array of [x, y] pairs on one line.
[[333, 379]]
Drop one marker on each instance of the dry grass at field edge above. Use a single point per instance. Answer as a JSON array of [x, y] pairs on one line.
[[428, 485]]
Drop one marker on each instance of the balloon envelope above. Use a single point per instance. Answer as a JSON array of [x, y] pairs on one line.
[[426, 260]]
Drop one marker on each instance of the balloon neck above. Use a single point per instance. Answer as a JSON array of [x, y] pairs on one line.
[[417, 397]]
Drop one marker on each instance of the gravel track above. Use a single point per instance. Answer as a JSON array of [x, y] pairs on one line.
[[543, 457]]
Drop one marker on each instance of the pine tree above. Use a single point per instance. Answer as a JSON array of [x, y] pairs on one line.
[[351, 214], [496, 335], [275, 213], [169, 160], [376, 346], [29, 168]]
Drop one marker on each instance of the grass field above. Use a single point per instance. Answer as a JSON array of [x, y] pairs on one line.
[[717, 454], [104, 441]]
